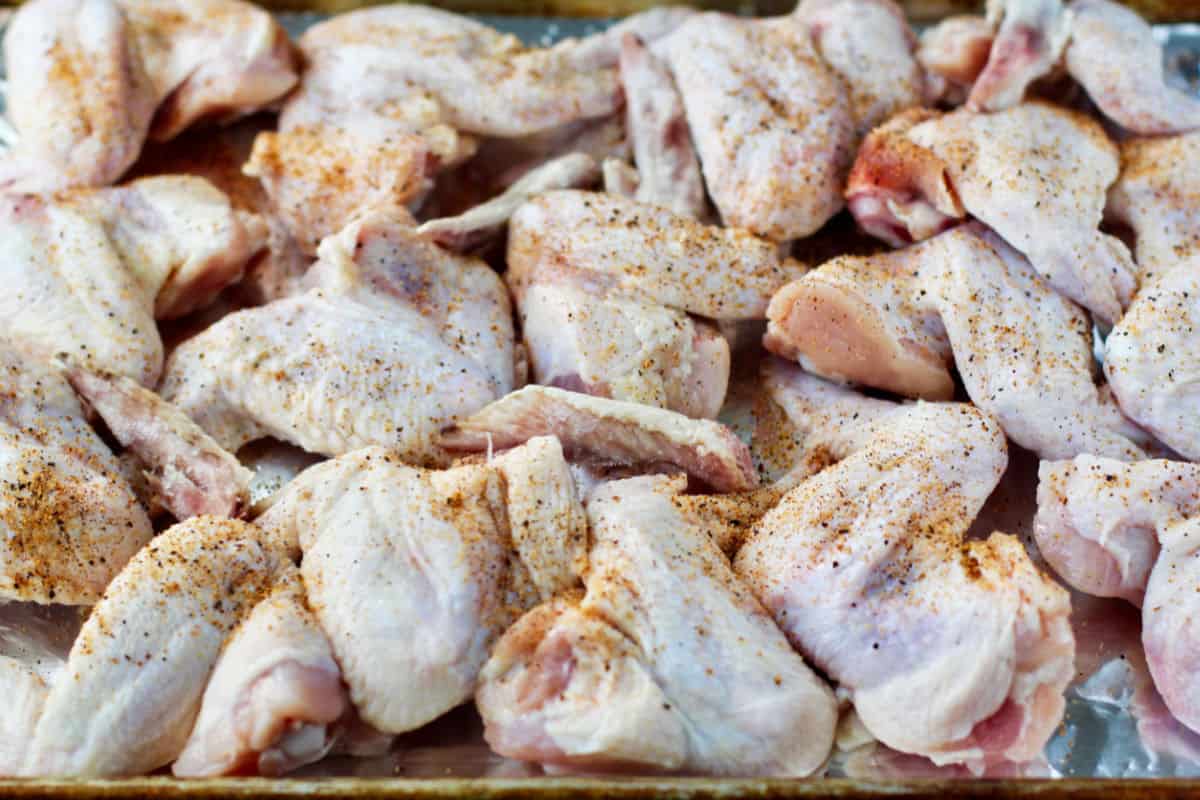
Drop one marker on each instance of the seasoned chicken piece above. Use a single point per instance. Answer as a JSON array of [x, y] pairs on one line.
[[667, 662], [411, 573], [1036, 174], [617, 244], [217, 155], [1116, 57], [390, 91], [546, 520], [1130, 530], [89, 80], [69, 521], [67, 136], [183, 466], [864, 319], [274, 694], [891, 321], [125, 702], [1151, 362], [770, 120], [482, 223], [869, 45], [1097, 519], [953, 53], [1156, 195], [609, 431], [667, 168], [604, 286], [829, 418], [955, 650], [88, 273], [398, 339], [1029, 42], [623, 348]]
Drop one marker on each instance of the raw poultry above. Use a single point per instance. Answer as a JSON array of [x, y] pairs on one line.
[[648, 391]]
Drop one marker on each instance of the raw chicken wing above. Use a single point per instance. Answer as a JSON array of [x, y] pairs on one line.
[[125, 701], [611, 432], [89, 80], [274, 694], [955, 650], [770, 120], [69, 521], [397, 339], [1036, 174], [667, 662], [869, 45], [87, 274]]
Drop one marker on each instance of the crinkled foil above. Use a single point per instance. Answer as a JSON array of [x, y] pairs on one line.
[[1115, 724]]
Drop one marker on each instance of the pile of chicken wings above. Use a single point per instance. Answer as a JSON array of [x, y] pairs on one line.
[[348, 380]]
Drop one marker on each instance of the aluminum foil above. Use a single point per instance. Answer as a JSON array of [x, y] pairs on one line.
[[1115, 724]]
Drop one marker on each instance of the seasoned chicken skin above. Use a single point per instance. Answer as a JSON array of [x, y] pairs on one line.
[[637, 673], [90, 80], [125, 701], [274, 694], [865, 568], [869, 45], [87, 274], [68, 521], [413, 574], [605, 285], [770, 121], [1156, 195], [1151, 360], [1036, 174], [891, 321], [1129, 530], [397, 339]]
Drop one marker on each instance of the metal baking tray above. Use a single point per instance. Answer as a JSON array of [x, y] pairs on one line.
[[1116, 739]]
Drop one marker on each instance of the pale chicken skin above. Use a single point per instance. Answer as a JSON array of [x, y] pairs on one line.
[[391, 98], [667, 662], [668, 171], [87, 274], [610, 432], [771, 122], [623, 348], [955, 650], [1129, 530], [397, 339], [274, 694], [90, 80], [1036, 174], [1156, 196], [869, 45], [413, 574], [605, 285], [892, 322], [617, 244], [69, 521], [1151, 361], [187, 471], [1115, 56], [1029, 41], [125, 701]]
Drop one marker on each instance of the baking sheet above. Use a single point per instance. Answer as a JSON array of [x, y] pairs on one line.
[[1115, 725]]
